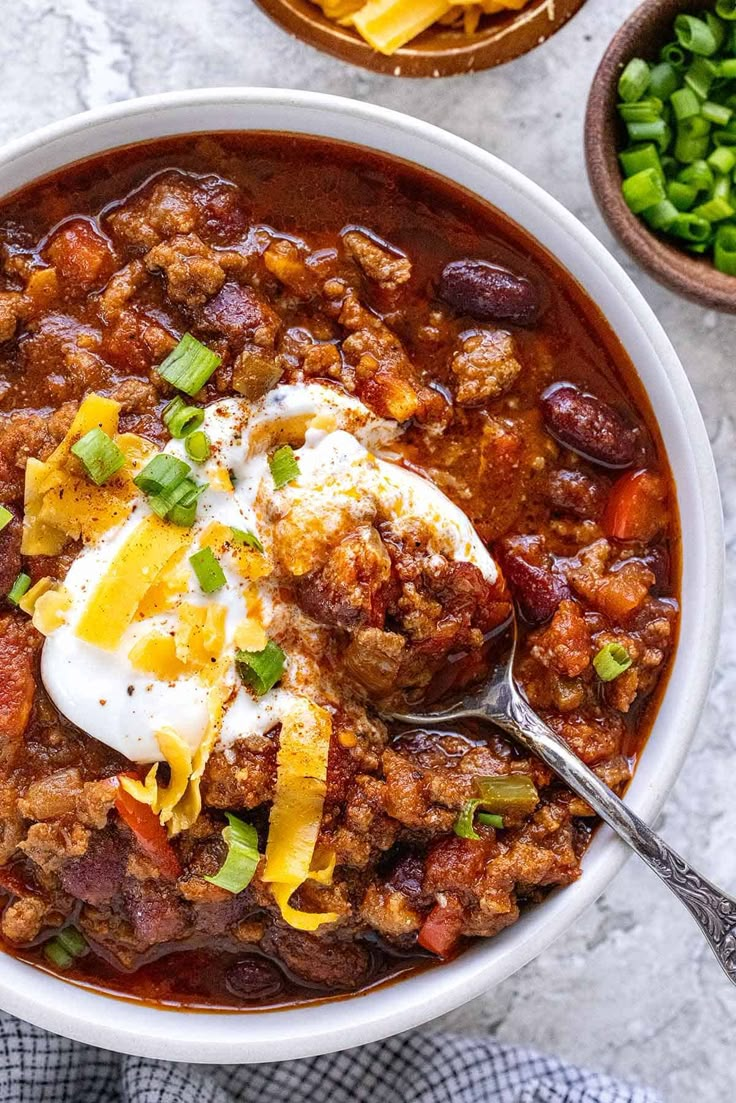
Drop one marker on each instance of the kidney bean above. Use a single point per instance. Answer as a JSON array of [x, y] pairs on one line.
[[489, 292], [254, 978], [407, 876], [588, 425], [537, 590], [577, 493], [658, 561]]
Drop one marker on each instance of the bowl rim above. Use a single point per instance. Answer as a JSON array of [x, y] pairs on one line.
[[696, 279], [498, 44], [86, 1015]]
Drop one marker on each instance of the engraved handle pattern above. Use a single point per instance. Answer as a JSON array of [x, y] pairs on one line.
[[713, 911]]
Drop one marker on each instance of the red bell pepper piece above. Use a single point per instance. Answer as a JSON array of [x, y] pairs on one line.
[[636, 507], [440, 932], [150, 835]]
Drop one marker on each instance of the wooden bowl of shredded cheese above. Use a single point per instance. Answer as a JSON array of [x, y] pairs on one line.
[[423, 38]]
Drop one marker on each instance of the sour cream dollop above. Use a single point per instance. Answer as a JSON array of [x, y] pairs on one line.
[[345, 466]]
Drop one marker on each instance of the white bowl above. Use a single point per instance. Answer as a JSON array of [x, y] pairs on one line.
[[136, 1028]]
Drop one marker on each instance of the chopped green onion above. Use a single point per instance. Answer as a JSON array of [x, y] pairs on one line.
[[464, 823], [643, 190], [514, 793], [645, 111], [716, 113], [691, 227], [189, 365], [700, 76], [637, 158], [284, 466], [210, 574], [698, 246], [661, 215], [724, 250], [657, 131], [663, 80], [682, 196], [236, 872], [57, 955], [674, 55], [699, 174], [726, 9], [67, 945], [695, 35], [73, 941], [172, 494], [184, 509], [99, 456], [691, 143], [634, 80], [180, 419], [722, 188], [261, 670], [685, 103], [489, 819], [245, 536], [5, 517], [162, 474], [197, 446], [681, 130], [611, 661], [722, 159], [715, 210], [20, 587], [727, 68]]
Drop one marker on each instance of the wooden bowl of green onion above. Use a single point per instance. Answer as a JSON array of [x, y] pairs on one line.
[[660, 142]]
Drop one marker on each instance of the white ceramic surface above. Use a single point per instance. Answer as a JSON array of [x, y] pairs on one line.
[[138, 1029]]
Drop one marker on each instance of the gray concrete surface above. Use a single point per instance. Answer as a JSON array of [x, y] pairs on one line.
[[632, 987]]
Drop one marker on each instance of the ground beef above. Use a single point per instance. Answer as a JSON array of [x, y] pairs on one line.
[[190, 268], [158, 212], [379, 261], [484, 366], [23, 919], [320, 961], [156, 911], [13, 308]]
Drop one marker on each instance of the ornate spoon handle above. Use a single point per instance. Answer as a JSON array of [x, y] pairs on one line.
[[713, 911]]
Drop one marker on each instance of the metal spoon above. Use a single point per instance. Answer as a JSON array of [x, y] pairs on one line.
[[500, 702]]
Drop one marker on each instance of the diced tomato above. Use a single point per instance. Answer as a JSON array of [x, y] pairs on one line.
[[440, 931], [636, 507], [80, 254], [151, 836]]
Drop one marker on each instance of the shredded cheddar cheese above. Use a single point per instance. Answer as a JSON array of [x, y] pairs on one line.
[[115, 601], [60, 503], [50, 610], [296, 812], [387, 25], [179, 803], [155, 654], [200, 635]]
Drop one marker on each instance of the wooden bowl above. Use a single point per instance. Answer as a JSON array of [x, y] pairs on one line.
[[649, 28], [439, 51]]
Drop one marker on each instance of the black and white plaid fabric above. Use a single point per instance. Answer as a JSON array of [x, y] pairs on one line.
[[413, 1068]]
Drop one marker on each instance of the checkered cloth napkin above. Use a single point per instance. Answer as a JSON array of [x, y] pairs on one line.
[[36, 1067]]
